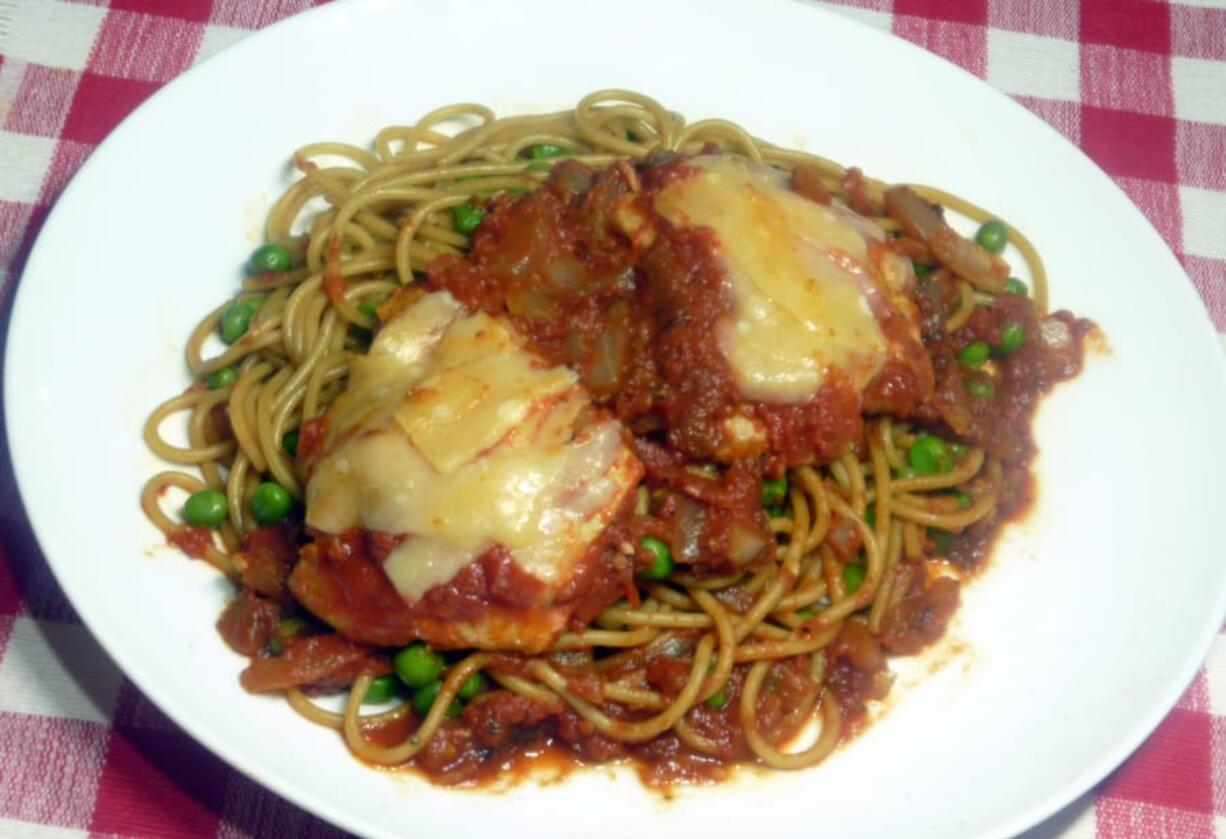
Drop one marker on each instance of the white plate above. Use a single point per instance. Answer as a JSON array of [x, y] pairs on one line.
[[1091, 620]]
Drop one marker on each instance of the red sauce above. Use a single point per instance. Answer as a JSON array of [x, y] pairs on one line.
[[501, 737], [192, 539], [599, 281], [807, 181], [595, 280], [311, 435], [920, 615], [857, 193], [1053, 351], [341, 579], [324, 662], [268, 554], [333, 282], [248, 623]]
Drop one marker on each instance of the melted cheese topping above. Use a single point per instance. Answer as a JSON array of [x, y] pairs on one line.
[[803, 299], [454, 435]]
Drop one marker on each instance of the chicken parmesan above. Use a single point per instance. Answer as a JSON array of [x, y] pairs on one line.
[[482, 481]]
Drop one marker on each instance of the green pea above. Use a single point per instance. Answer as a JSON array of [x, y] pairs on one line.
[[1016, 286], [975, 354], [543, 150], [270, 503], [424, 696], [930, 456], [958, 450], [270, 257], [290, 443], [853, 577], [942, 540], [964, 500], [370, 308], [234, 322], [275, 646], [224, 377], [381, 690], [805, 614], [779, 511], [538, 166], [207, 507], [473, 685], [1012, 336], [466, 217], [718, 699], [418, 665], [254, 302], [993, 236], [921, 270], [661, 559], [289, 627], [774, 491], [980, 388], [870, 515]]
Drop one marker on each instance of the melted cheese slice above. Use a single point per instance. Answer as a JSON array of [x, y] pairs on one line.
[[454, 435], [803, 300]]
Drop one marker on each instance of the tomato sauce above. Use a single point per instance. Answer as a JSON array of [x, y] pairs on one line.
[[268, 555], [1053, 351], [341, 579], [501, 737], [595, 280], [193, 540], [587, 270]]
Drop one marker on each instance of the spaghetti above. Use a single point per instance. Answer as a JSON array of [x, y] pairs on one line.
[[699, 665]]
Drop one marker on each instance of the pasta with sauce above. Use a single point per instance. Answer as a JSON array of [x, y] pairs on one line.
[[601, 432]]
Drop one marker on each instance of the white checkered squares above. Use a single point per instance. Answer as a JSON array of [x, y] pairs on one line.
[[50, 32], [216, 39], [1031, 65], [55, 669], [1200, 89], [1204, 4], [1215, 664], [13, 829], [11, 74], [26, 160], [50, 770], [1204, 233]]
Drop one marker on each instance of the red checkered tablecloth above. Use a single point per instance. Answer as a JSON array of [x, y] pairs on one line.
[[1140, 86]]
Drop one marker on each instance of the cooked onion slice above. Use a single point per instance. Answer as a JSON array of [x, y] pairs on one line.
[[983, 269]]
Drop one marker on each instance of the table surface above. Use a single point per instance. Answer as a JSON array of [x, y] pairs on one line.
[[1139, 86]]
